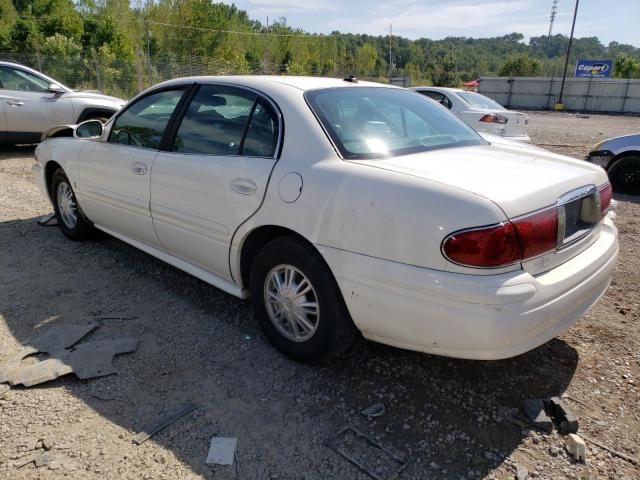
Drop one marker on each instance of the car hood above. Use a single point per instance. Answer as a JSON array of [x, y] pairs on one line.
[[94, 96], [518, 179]]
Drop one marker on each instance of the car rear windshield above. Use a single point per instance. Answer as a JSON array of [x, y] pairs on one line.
[[480, 101], [375, 122]]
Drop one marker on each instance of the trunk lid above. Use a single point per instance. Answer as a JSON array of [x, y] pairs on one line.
[[519, 179], [516, 125]]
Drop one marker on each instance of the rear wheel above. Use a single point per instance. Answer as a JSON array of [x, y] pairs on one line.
[[70, 218], [298, 303], [625, 175]]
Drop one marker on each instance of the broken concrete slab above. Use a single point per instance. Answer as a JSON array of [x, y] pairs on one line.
[[565, 419], [535, 410], [148, 432], [87, 360], [38, 458], [222, 451], [49, 220], [576, 447]]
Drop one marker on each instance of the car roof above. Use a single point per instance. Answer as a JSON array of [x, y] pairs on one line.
[[300, 83], [440, 89]]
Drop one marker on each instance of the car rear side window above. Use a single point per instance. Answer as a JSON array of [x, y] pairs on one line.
[[223, 120], [215, 121], [378, 122], [144, 122]]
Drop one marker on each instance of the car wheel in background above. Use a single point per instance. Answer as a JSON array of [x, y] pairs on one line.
[[298, 304], [625, 175], [70, 218]]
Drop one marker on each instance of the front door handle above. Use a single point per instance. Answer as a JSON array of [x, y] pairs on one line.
[[244, 186], [15, 103], [139, 168]]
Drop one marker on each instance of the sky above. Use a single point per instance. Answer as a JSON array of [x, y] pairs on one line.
[[609, 20]]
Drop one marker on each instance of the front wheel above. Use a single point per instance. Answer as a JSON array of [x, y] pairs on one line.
[[625, 175], [70, 218], [298, 304]]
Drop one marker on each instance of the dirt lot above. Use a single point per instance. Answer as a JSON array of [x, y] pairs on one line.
[[446, 418]]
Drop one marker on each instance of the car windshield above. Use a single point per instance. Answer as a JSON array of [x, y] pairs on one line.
[[374, 122], [480, 101]]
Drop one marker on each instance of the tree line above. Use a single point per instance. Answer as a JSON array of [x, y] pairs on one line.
[[127, 46]]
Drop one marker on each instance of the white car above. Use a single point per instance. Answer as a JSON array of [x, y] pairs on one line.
[[31, 102], [481, 113], [341, 206]]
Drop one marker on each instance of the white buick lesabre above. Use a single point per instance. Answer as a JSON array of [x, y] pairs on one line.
[[340, 206]]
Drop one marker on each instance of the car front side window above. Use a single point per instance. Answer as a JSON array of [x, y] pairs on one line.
[[143, 123], [21, 80]]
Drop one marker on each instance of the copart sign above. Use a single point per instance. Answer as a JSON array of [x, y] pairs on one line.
[[594, 68]]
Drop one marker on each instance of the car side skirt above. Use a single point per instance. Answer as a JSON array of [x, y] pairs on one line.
[[197, 272]]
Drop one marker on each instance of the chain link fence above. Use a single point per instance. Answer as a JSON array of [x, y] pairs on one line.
[[126, 78]]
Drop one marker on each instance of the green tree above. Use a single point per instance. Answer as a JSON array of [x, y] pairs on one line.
[[521, 65], [366, 58], [625, 66], [442, 69], [8, 17]]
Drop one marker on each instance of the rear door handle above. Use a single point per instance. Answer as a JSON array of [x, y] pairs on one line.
[[15, 103], [244, 186], [139, 168]]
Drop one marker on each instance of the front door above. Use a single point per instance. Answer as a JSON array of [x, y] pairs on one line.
[[114, 175], [215, 175], [29, 106]]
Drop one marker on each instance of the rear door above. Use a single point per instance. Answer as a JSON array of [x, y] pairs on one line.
[[114, 175], [215, 175]]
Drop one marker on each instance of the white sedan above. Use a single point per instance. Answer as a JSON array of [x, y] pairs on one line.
[[480, 113], [341, 206]]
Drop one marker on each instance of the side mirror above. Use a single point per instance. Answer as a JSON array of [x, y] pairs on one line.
[[55, 88], [88, 129]]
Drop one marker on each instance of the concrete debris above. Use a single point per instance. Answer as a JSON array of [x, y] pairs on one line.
[[38, 458], [521, 472], [576, 447], [373, 411], [49, 220], [535, 410], [86, 360], [148, 432], [565, 419], [367, 454], [222, 451], [4, 389]]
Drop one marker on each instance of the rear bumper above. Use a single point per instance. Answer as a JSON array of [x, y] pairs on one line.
[[471, 316]]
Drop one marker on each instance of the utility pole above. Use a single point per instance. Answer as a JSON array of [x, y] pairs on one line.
[[552, 18], [390, 64], [560, 105]]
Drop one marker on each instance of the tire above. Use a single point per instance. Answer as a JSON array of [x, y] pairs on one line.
[[71, 220], [332, 330], [625, 175]]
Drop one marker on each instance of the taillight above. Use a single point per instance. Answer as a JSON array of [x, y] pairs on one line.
[[538, 232], [605, 198], [505, 244], [494, 118], [484, 247]]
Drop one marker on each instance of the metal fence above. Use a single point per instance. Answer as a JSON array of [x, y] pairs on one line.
[[580, 94], [114, 76]]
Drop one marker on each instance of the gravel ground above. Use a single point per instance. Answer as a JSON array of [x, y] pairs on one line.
[[446, 418]]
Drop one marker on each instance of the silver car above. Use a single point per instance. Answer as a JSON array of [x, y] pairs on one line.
[[620, 157], [31, 103]]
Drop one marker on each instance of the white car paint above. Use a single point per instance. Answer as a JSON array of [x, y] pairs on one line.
[[378, 223], [25, 114], [454, 100]]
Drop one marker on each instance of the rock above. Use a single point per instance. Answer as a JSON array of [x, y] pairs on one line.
[[534, 408], [521, 472], [576, 447], [47, 443], [565, 418]]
